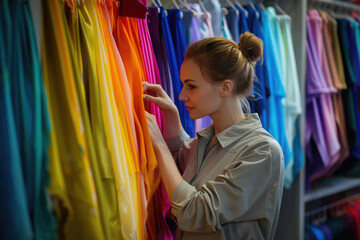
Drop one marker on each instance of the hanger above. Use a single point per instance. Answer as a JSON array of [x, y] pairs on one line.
[[224, 11], [261, 4], [205, 14], [281, 11], [241, 7], [253, 7], [185, 4], [155, 5], [177, 6], [159, 5], [230, 4]]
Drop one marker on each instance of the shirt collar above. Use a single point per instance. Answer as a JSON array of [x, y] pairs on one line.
[[234, 132]]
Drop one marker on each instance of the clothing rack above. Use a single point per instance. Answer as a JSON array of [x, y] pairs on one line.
[[336, 6], [291, 222], [332, 205]]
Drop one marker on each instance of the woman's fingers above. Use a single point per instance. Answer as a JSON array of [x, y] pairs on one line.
[[149, 116], [155, 88], [150, 98]]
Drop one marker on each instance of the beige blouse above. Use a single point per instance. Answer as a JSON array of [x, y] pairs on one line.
[[234, 191]]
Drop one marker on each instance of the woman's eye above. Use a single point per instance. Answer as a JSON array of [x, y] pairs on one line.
[[191, 86]]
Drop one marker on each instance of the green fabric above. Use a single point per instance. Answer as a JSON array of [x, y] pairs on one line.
[[348, 96]]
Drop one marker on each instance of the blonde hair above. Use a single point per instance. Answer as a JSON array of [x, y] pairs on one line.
[[220, 59]]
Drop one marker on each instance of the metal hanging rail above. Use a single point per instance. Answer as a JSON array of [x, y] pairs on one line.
[[336, 6]]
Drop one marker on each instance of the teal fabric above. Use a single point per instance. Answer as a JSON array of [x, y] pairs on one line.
[[15, 220], [275, 74], [44, 221], [292, 103], [25, 130]]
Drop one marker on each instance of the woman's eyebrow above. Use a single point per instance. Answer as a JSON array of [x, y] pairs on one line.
[[189, 80]]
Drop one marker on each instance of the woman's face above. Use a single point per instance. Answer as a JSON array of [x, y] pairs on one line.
[[201, 97]]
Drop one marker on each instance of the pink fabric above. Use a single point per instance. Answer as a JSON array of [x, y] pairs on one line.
[[153, 76], [152, 70]]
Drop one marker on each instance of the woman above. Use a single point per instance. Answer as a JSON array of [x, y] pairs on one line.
[[227, 182]]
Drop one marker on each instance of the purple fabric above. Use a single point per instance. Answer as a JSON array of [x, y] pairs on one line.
[[154, 24], [319, 134], [154, 29], [315, 80], [326, 230], [315, 26]]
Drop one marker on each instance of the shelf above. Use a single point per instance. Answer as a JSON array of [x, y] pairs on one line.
[[331, 186]]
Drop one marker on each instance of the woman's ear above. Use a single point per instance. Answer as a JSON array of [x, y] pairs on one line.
[[226, 87]]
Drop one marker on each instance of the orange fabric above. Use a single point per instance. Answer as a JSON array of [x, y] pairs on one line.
[[127, 40]]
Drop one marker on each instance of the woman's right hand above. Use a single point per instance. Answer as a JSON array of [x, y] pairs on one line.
[[155, 93]]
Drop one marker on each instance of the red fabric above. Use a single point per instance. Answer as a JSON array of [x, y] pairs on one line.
[[356, 218], [132, 8]]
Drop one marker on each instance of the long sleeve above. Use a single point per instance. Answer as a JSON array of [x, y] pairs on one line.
[[176, 146], [230, 196]]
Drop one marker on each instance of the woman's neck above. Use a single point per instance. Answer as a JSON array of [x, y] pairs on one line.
[[229, 114]]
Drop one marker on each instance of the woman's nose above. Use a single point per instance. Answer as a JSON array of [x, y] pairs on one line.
[[182, 96]]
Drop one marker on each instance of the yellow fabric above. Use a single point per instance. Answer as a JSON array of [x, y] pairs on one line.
[[116, 128], [69, 146], [83, 37]]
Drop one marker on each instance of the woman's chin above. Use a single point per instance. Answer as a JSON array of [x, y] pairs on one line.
[[196, 116]]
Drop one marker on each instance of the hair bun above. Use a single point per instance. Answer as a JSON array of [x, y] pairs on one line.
[[250, 46]]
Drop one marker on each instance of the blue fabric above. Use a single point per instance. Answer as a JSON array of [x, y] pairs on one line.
[[177, 33], [317, 232], [15, 220], [233, 23], [274, 90], [165, 48], [190, 27], [243, 26], [259, 104], [175, 76]]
